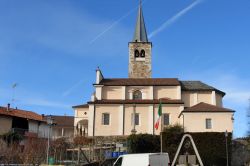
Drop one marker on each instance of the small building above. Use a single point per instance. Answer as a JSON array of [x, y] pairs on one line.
[[26, 123], [63, 126]]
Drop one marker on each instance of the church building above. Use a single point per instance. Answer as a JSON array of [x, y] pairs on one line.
[[121, 106]]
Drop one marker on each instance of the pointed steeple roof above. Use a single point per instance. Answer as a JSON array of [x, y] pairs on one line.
[[140, 29]]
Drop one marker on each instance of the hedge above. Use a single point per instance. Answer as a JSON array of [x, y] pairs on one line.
[[211, 145]]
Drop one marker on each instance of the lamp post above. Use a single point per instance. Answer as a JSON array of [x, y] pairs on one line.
[[226, 135], [50, 123], [133, 131]]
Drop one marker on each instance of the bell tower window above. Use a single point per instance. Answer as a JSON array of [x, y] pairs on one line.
[[137, 95], [142, 54], [137, 54]]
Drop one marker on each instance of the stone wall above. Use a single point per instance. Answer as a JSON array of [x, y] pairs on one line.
[[140, 67]]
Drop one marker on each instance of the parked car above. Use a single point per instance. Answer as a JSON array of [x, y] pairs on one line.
[[144, 159]]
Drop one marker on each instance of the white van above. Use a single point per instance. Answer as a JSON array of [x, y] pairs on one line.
[[143, 159]]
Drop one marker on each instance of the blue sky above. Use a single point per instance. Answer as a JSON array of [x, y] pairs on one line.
[[52, 48]]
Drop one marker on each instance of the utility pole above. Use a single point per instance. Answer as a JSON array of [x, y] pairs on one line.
[[226, 135], [50, 123]]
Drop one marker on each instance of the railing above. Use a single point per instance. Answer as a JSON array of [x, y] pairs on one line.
[[25, 132]]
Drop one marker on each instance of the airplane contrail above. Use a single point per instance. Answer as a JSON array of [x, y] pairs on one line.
[[114, 23], [72, 88], [174, 18]]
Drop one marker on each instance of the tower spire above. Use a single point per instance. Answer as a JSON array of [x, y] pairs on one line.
[[140, 34]]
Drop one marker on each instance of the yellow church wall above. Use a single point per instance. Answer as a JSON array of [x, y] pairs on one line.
[[165, 92], [188, 98], [173, 111], [144, 89], [191, 98], [205, 97], [219, 100], [196, 122], [143, 111], [113, 127], [112, 92], [79, 114]]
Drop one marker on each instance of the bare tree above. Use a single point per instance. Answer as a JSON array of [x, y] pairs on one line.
[[10, 153], [34, 151], [59, 149]]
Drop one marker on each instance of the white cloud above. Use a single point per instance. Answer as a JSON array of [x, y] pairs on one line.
[[44, 103], [27, 98]]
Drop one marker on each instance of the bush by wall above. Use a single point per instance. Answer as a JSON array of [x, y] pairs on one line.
[[143, 143], [211, 146]]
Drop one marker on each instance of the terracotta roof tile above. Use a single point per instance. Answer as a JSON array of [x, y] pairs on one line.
[[155, 101], [204, 107], [20, 113], [140, 82], [63, 121]]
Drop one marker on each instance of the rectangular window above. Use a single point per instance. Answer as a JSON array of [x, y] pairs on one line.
[[135, 119], [208, 123], [105, 118], [166, 119]]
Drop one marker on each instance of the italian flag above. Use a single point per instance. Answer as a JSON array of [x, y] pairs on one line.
[[159, 116]]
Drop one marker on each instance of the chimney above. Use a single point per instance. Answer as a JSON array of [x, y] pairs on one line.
[[8, 107], [99, 75]]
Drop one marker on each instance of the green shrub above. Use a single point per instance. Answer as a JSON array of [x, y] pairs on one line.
[[211, 145], [143, 143], [171, 138]]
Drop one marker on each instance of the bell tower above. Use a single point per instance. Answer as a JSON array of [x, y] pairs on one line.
[[140, 50]]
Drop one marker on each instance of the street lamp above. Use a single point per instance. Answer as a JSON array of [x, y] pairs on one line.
[[50, 123], [226, 135], [133, 131]]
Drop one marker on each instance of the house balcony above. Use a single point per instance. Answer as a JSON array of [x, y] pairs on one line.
[[25, 132]]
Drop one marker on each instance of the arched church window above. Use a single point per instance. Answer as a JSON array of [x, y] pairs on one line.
[[137, 95], [142, 53], [137, 54]]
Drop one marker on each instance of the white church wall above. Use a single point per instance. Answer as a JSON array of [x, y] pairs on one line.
[[146, 91], [80, 114], [112, 92], [114, 125], [173, 111], [196, 122], [166, 92], [143, 111], [219, 100], [205, 97]]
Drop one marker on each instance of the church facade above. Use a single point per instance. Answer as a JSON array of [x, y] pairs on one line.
[[121, 106]]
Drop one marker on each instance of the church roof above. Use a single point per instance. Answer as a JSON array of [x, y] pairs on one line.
[[154, 101], [140, 82], [198, 86], [204, 107], [140, 29], [81, 106]]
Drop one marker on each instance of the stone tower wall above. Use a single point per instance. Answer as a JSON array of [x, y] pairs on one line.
[[140, 67]]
